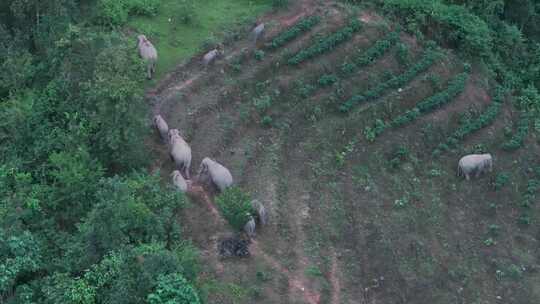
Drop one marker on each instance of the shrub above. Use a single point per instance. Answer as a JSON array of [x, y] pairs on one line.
[[280, 3], [518, 138], [143, 7], [116, 12], [235, 205], [454, 23], [173, 288], [294, 31], [326, 44], [262, 103], [184, 11], [259, 55], [327, 79], [501, 180]]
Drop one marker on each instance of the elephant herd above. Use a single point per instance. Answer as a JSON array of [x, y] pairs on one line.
[[210, 171], [148, 52]]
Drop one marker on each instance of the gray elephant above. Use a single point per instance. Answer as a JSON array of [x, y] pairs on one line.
[[178, 181], [257, 34], [261, 211], [161, 125], [211, 56], [180, 151], [218, 174], [249, 227], [148, 53], [475, 163]]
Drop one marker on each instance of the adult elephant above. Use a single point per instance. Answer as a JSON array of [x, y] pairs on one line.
[[475, 164], [218, 174], [148, 53]]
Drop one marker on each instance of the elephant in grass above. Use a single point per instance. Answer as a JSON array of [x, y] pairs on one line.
[[180, 151], [257, 34], [218, 174], [261, 211], [249, 227], [161, 125], [178, 181], [475, 163], [148, 53], [211, 56]]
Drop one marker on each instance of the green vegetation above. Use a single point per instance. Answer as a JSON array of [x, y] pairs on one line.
[[455, 87], [470, 126], [327, 43], [294, 31], [209, 22], [423, 64], [235, 205]]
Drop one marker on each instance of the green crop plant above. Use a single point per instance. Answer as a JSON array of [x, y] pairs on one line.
[[326, 44], [518, 138], [364, 58], [294, 31], [427, 60], [473, 125], [455, 87]]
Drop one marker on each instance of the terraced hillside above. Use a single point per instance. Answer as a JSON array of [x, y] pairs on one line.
[[350, 130]]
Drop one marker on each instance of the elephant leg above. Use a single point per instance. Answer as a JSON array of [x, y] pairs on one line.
[[467, 177], [186, 170]]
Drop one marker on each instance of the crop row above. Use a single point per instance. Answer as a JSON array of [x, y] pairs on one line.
[[423, 64], [327, 43], [363, 58], [518, 138], [294, 31], [455, 87], [485, 119], [373, 53]]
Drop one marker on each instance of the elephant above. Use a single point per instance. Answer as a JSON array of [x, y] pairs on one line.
[[178, 181], [261, 211], [148, 53], [257, 33], [249, 227], [180, 151], [220, 176], [161, 126], [475, 163], [211, 56]]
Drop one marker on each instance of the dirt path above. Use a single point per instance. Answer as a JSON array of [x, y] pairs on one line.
[[334, 279]]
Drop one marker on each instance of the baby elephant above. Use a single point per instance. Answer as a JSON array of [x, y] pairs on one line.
[[180, 151], [475, 163], [257, 34], [261, 211], [178, 181], [220, 176], [249, 227], [161, 126], [211, 56], [148, 53]]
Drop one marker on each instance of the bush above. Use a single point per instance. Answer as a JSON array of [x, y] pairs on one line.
[[368, 56], [501, 180], [522, 130], [280, 3], [184, 11], [116, 12], [173, 288], [143, 7], [235, 205]]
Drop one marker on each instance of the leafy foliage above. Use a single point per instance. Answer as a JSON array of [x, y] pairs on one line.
[[326, 44], [235, 206], [116, 12], [304, 25], [518, 138], [173, 288]]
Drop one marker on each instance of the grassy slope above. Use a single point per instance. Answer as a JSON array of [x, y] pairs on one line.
[[176, 41]]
